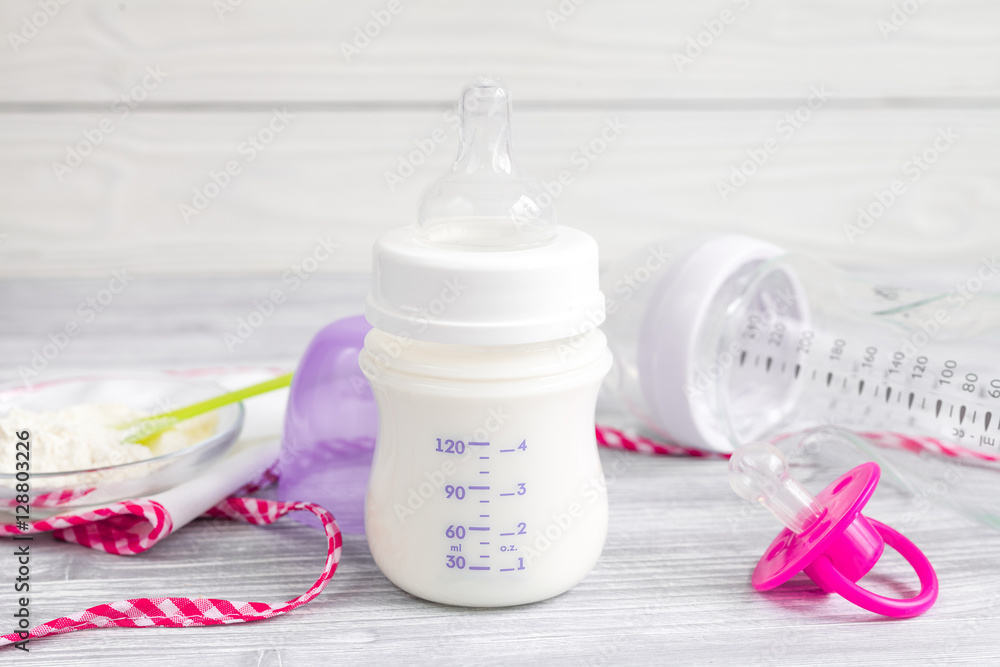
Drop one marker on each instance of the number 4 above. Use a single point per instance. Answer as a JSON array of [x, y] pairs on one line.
[[522, 446]]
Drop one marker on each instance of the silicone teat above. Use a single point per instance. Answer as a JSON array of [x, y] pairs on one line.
[[759, 472], [486, 201], [826, 536]]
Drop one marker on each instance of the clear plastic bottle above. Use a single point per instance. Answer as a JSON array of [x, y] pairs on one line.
[[735, 340], [485, 360]]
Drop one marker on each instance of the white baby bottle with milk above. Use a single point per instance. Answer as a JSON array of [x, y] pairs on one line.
[[486, 488]]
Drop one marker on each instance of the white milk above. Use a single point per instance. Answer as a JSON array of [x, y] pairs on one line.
[[485, 360], [486, 488]]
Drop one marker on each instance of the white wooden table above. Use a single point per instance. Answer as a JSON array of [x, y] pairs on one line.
[[672, 586]]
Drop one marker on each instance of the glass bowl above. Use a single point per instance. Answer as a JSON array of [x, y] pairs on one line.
[[60, 492]]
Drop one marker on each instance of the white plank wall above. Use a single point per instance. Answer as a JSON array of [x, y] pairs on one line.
[[326, 176], [267, 50], [687, 128]]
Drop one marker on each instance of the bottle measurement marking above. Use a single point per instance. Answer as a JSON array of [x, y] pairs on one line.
[[938, 404], [523, 446], [506, 534], [458, 562]]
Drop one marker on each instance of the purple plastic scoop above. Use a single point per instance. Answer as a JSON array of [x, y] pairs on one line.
[[330, 427]]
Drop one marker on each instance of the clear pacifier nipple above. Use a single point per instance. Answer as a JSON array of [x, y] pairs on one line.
[[759, 472], [486, 201]]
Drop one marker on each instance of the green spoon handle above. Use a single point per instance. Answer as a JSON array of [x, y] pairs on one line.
[[161, 422]]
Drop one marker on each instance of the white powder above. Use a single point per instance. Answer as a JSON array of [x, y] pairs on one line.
[[84, 437]]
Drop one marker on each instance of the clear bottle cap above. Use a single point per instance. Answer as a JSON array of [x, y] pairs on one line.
[[486, 201]]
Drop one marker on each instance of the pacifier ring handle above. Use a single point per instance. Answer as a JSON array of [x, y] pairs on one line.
[[831, 578]]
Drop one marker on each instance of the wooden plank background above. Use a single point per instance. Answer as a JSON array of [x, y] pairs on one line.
[[688, 127], [672, 585]]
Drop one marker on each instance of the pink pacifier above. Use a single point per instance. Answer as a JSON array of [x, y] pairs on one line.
[[826, 537]]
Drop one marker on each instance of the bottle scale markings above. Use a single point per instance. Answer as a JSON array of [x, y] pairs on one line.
[[911, 398], [460, 563]]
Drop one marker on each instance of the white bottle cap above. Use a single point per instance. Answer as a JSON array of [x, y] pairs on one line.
[[677, 322], [486, 264], [445, 295]]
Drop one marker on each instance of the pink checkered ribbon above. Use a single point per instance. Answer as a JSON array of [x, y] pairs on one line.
[[131, 527], [55, 498]]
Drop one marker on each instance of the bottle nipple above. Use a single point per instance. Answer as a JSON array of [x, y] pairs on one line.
[[759, 472], [486, 202]]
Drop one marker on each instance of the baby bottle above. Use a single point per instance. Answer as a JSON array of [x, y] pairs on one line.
[[485, 360], [732, 340]]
